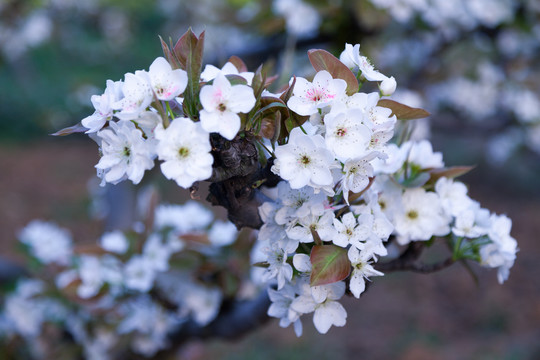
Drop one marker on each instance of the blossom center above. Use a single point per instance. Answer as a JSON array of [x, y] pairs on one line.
[[305, 160], [341, 132], [183, 152], [412, 214], [222, 107]]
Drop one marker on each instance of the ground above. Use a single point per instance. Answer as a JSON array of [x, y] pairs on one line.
[[403, 316]]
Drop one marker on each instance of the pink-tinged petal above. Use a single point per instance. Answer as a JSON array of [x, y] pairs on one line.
[[210, 98], [222, 84]]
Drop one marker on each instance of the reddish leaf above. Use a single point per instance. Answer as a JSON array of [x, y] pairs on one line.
[[171, 58], [238, 63], [403, 112], [323, 60], [451, 172], [78, 128], [329, 264]]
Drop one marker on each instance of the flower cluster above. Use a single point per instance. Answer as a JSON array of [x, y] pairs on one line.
[[108, 286], [347, 191], [336, 190]]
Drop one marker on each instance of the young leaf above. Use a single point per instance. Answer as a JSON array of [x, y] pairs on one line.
[[323, 60], [403, 112], [329, 264], [78, 128], [169, 55], [238, 63], [451, 172]]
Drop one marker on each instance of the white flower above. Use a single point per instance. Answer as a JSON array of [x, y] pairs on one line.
[[346, 135], [202, 302], [222, 233], [103, 106], [352, 58], [278, 267], [308, 97], [472, 222], [137, 96], [453, 195], [114, 241], [347, 231], [296, 203], [221, 103], [192, 216], [281, 308], [94, 272], [157, 253], [501, 253], [139, 274], [211, 72], [126, 154], [47, 242], [422, 217], [305, 160], [322, 223], [166, 82], [421, 154], [185, 149], [328, 312], [357, 174], [362, 270]]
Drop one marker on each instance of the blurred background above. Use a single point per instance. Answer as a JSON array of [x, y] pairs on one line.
[[472, 63]]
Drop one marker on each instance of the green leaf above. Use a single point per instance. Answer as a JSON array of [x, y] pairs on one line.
[[78, 128], [451, 172], [169, 55], [403, 112], [329, 264], [323, 60], [189, 51]]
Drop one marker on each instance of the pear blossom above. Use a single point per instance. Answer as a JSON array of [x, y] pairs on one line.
[[327, 312], [47, 242], [421, 217], [222, 233], [211, 72], [221, 103], [308, 97], [185, 149], [103, 107], [157, 253], [352, 58], [297, 203], [319, 222], [501, 251], [126, 154], [421, 154], [166, 82], [472, 222], [357, 173], [137, 93], [281, 308], [278, 267], [347, 231], [362, 270], [114, 241], [139, 273], [346, 135], [304, 160], [453, 195]]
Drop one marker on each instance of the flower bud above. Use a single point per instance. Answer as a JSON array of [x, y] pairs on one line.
[[388, 86]]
